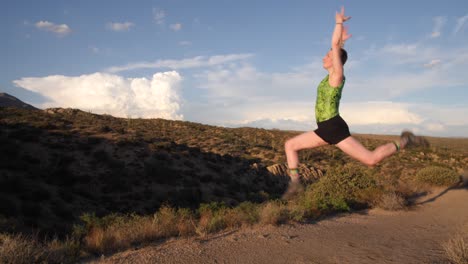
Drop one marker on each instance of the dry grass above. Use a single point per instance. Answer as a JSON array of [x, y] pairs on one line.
[[274, 213], [123, 231], [18, 249], [391, 201], [456, 248]]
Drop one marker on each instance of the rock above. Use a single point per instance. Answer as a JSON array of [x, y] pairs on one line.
[[308, 174]]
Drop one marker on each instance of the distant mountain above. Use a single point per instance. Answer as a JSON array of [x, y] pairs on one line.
[[7, 100]]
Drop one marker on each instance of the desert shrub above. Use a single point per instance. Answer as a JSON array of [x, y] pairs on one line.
[[343, 188], [19, 249], [391, 201], [456, 249], [274, 213], [245, 214], [174, 222], [436, 175], [212, 218]]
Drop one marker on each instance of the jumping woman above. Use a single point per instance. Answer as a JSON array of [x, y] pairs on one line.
[[332, 129]]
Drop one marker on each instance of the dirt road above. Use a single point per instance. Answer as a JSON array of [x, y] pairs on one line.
[[374, 236]]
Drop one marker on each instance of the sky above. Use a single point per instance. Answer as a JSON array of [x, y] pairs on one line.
[[253, 63]]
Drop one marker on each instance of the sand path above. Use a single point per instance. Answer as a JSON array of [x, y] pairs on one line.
[[374, 236]]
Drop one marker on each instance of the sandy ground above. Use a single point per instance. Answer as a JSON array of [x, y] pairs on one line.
[[374, 236]]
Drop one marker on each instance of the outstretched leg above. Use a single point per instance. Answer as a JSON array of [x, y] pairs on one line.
[[356, 150]]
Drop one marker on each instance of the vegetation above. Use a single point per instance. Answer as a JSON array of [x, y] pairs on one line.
[[74, 184], [438, 176], [456, 249]]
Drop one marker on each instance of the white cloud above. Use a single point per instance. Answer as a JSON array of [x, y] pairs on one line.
[[60, 30], [176, 27], [196, 62], [401, 49], [185, 43], [105, 93], [159, 16], [435, 127], [95, 50], [401, 69], [439, 22], [364, 113], [460, 23], [119, 26], [244, 96], [432, 63]]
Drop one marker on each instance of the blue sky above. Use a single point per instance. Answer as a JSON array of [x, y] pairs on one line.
[[241, 63]]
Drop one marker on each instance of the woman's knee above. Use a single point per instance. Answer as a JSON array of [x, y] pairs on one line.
[[289, 145]]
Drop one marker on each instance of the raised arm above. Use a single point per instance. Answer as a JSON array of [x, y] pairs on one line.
[[340, 35]]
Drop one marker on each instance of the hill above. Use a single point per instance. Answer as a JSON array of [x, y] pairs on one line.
[[7, 100], [57, 165]]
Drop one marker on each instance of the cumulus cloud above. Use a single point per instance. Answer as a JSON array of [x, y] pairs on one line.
[[363, 113], [119, 26], [111, 94], [460, 23], [439, 22], [59, 30], [196, 62], [176, 27], [159, 16]]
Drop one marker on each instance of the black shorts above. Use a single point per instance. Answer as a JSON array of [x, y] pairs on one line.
[[333, 130]]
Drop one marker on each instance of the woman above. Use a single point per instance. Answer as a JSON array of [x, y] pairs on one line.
[[332, 129]]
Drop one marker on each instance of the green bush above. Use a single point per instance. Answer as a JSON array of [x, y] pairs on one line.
[[343, 188], [438, 176]]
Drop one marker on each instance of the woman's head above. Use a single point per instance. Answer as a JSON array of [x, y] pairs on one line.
[[328, 61]]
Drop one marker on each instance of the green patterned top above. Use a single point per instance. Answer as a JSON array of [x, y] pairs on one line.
[[328, 100]]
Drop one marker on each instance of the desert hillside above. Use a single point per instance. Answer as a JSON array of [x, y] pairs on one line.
[[58, 165]]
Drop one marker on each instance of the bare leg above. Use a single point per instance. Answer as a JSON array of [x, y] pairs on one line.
[[356, 150], [292, 146], [303, 141]]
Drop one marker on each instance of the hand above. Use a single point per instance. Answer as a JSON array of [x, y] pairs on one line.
[[344, 34], [340, 17]]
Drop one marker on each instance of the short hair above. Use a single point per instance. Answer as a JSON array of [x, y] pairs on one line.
[[343, 56]]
